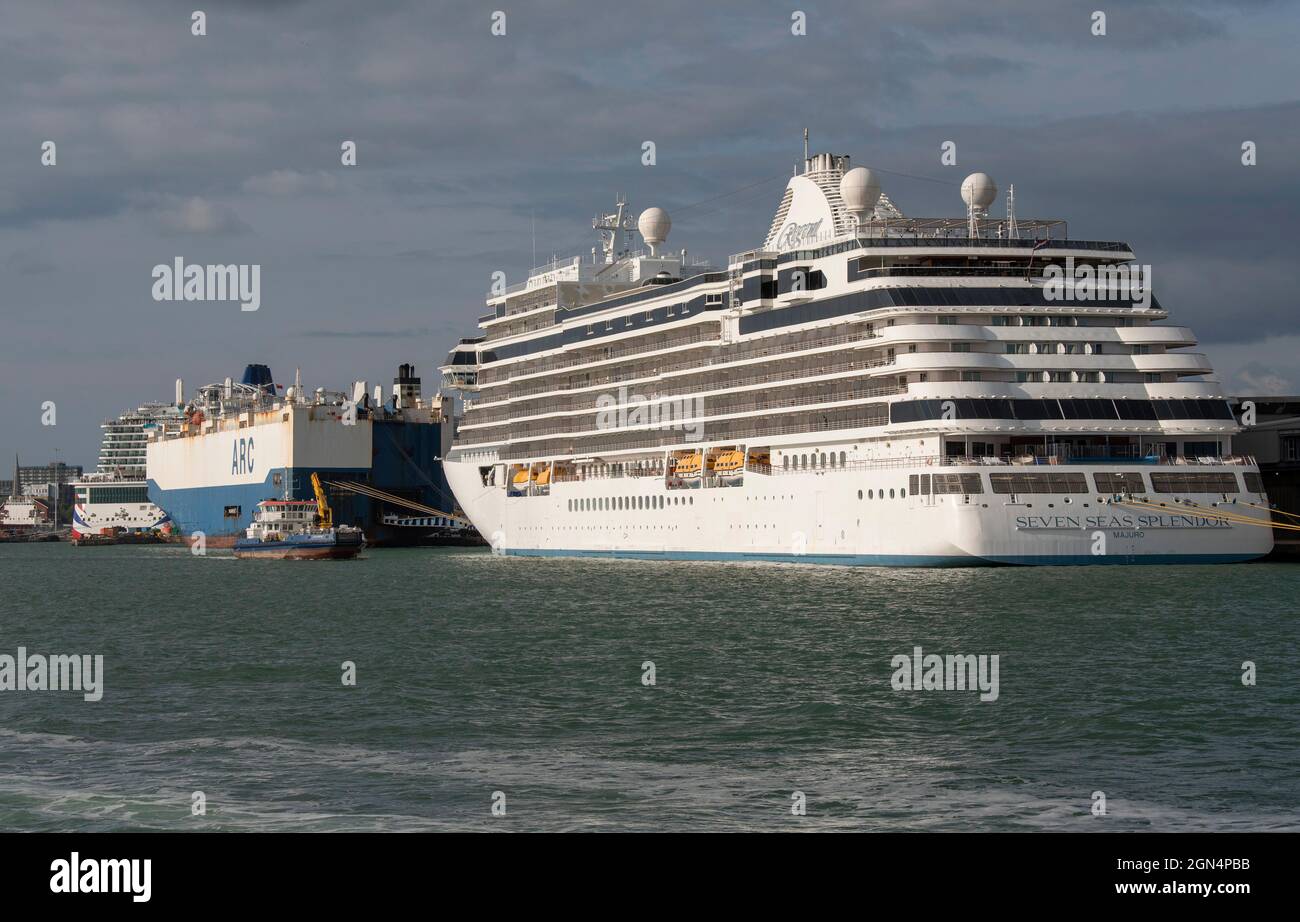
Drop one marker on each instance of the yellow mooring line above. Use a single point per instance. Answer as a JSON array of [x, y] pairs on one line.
[[1215, 511], [1290, 515]]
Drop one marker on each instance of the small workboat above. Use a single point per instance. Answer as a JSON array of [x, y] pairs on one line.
[[298, 529]]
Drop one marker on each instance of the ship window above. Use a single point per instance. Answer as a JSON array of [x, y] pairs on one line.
[[1224, 482], [1038, 483], [859, 494], [1254, 482], [891, 492], [842, 457], [1111, 482], [871, 494], [785, 462], [803, 461]]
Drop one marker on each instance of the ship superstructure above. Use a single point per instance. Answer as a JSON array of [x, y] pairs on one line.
[[865, 388]]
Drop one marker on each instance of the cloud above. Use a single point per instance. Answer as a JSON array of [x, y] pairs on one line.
[[464, 139], [285, 183], [196, 215]]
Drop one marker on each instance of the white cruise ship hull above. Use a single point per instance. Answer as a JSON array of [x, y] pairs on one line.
[[817, 517]]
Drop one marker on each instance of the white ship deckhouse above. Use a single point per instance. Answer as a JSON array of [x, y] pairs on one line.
[[867, 388]]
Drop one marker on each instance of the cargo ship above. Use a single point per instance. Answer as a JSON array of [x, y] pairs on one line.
[[253, 440]]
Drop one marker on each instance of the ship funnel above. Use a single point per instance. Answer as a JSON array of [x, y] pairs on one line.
[[180, 392], [379, 395], [406, 387]]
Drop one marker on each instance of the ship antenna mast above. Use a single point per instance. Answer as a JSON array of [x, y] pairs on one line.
[[1012, 230], [611, 227]]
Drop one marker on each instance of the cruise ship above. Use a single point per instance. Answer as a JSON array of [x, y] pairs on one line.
[[116, 496], [864, 388]]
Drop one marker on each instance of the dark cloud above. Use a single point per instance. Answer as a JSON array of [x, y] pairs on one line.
[[474, 152]]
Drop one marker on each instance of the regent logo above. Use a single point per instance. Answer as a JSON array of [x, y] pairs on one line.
[[241, 456], [794, 234], [103, 875]]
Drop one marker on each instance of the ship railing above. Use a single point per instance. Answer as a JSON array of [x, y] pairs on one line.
[[495, 415], [488, 376], [775, 402], [1116, 458], [787, 347]]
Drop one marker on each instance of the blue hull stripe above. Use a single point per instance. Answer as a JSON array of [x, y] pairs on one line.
[[897, 560], [203, 508]]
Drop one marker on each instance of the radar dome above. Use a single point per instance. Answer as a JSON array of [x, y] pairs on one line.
[[979, 190], [860, 190], [654, 225]]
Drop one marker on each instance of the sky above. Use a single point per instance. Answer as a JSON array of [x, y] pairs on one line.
[[474, 150]]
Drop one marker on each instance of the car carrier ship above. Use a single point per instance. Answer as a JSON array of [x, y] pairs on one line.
[[863, 388], [242, 443]]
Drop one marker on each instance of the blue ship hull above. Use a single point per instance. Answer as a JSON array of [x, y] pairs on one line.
[[405, 462]]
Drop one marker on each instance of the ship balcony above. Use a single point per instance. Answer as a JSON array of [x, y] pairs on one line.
[[1183, 363], [1170, 337]]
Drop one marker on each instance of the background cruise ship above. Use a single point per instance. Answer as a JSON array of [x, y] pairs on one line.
[[116, 495], [864, 388]]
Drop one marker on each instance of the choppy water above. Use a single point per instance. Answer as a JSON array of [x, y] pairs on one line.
[[479, 674]]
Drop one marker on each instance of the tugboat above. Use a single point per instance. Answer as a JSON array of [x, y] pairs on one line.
[[299, 529]]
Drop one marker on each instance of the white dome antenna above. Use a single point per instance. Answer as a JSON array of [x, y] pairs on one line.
[[860, 190], [654, 225], [978, 191]]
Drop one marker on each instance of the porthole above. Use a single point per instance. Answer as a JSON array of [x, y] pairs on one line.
[[891, 492], [871, 494], [859, 494]]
